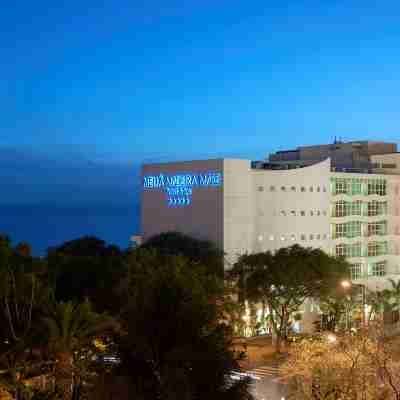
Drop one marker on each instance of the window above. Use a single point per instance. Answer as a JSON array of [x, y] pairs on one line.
[[283, 188], [272, 188], [283, 213], [293, 188], [318, 189], [271, 237], [348, 250], [356, 186], [302, 213], [377, 228], [324, 213], [345, 208], [349, 229], [378, 269], [303, 237], [376, 208], [355, 271], [318, 237], [325, 236], [293, 237], [260, 238], [303, 189], [312, 213], [340, 250], [340, 186], [261, 188], [311, 237], [293, 213], [324, 189], [376, 186], [283, 237], [318, 213], [377, 249], [311, 189]]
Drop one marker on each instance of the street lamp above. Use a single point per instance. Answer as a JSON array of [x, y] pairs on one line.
[[346, 285]]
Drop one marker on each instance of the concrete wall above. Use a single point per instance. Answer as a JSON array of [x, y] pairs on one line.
[[201, 219]]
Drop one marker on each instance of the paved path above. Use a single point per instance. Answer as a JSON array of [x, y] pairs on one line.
[[267, 385]]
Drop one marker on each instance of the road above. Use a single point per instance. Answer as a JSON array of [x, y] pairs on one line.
[[266, 383]]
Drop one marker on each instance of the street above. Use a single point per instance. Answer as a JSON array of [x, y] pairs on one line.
[[266, 383]]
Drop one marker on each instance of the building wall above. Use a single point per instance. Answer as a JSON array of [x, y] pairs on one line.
[[291, 207], [202, 218]]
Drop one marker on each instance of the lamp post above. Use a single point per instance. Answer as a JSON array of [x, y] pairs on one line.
[[348, 284]]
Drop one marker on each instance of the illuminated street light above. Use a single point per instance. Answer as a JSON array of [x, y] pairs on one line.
[[331, 338], [345, 284]]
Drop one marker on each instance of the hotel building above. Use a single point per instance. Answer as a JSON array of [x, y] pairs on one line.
[[343, 198]]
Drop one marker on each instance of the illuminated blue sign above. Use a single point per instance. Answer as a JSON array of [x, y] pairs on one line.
[[179, 187]]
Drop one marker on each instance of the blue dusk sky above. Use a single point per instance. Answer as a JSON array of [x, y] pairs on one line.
[[91, 89]]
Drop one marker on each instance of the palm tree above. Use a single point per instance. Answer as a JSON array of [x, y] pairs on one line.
[[70, 325], [395, 294]]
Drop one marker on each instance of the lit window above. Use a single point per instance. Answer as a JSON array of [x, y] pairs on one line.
[[271, 237], [260, 238], [283, 237], [355, 271], [378, 269]]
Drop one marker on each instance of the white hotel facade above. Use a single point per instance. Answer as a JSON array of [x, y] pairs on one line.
[[343, 198]]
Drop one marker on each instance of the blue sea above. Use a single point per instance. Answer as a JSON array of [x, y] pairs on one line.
[[48, 225]]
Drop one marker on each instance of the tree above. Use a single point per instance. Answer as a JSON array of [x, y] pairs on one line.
[[69, 327], [364, 366], [176, 345], [336, 303], [284, 280], [199, 252], [86, 268]]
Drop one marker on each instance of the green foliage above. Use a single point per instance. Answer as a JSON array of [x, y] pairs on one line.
[[199, 252], [284, 279], [176, 346], [87, 268]]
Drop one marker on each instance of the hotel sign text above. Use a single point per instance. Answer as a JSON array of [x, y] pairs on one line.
[[179, 187]]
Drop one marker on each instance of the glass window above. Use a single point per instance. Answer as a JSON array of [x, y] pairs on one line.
[[340, 250], [271, 237], [376, 186], [293, 213], [293, 188], [378, 269], [283, 188], [261, 188], [311, 213], [311, 189], [293, 237], [318, 189], [318, 213], [355, 271], [377, 249], [324, 213], [340, 186], [283, 237], [377, 228], [272, 188], [303, 189], [324, 189], [318, 237], [283, 213], [356, 186], [376, 208], [349, 229], [303, 237], [311, 237], [302, 213]]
